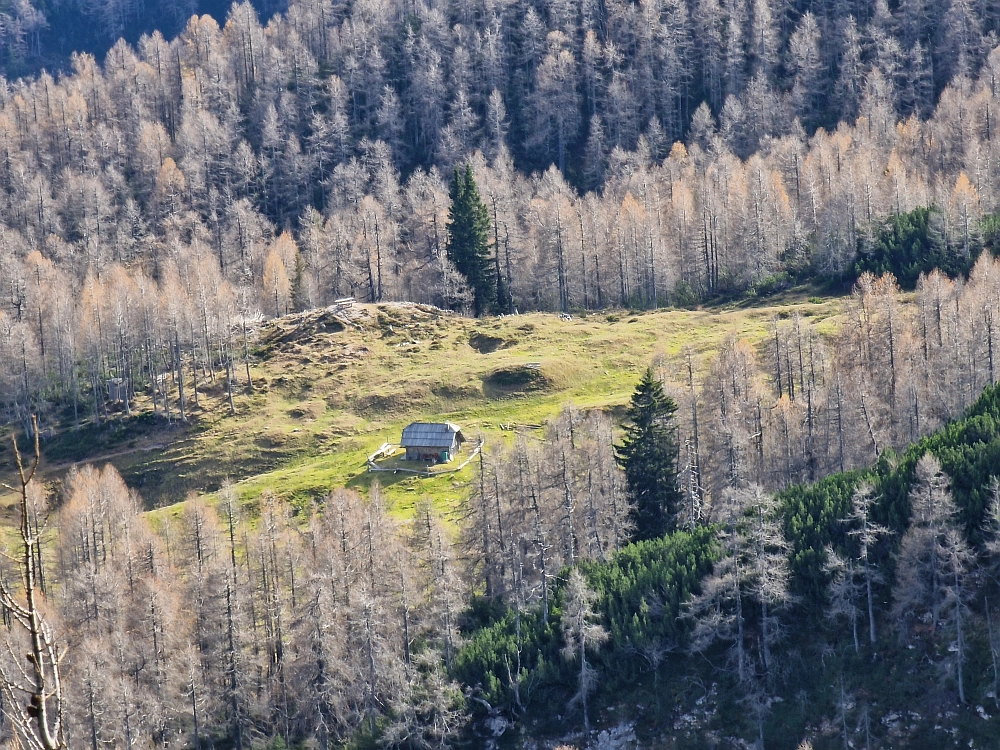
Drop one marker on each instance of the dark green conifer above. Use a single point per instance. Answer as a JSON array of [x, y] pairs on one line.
[[299, 296], [648, 456], [469, 239]]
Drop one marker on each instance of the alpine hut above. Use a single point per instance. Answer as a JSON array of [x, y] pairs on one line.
[[427, 441]]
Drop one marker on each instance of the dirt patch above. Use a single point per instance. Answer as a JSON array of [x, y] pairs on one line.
[[388, 403], [458, 392], [308, 410], [516, 379], [549, 375], [486, 344], [402, 315], [273, 438], [376, 403], [282, 334]]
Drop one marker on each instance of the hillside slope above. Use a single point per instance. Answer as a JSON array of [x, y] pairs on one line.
[[330, 389]]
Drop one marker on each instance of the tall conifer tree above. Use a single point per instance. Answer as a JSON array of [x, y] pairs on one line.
[[648, 456], [468, 239]]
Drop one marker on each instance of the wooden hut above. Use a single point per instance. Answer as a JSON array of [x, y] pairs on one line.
[[427, 441]]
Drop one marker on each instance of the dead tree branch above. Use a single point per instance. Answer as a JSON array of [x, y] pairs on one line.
[[31, 685]]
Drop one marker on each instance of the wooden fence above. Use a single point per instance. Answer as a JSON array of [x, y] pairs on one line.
[[375, 468]]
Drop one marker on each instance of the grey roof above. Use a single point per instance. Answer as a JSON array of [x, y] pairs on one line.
[[430, 435]]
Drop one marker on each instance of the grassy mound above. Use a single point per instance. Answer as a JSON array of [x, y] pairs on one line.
[[517, 379], [486, 344]]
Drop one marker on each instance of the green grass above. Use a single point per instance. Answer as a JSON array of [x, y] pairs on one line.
[[327, 395]]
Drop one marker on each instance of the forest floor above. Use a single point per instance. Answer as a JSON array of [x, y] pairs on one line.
[[331, 388]]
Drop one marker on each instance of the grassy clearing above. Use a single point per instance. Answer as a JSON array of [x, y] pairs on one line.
[[329, 391]]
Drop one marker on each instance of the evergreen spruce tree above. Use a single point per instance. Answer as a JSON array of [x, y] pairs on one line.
[[648, 456], [468, 239], [300, 300]]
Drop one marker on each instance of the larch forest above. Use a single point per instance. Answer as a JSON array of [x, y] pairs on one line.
[[784, 537]]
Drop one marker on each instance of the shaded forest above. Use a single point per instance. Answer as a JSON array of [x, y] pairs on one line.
[[44, 34]]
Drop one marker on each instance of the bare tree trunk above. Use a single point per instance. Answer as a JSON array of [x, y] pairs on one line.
[[989, 338], [696, 462], [500, 532], [583, 683], [777, 358], [231, 652], [871, 601], [246, 355], [194, 370], [76, 397], [487, 562], [180, 375], [868, 423], [854, 630], [993, 654], [959, 638], [540, 541], [229, 383], [568, 506], [33, 692], [840, 424], [194, 711]]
